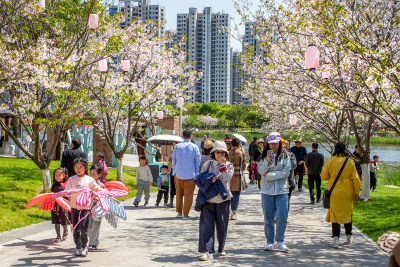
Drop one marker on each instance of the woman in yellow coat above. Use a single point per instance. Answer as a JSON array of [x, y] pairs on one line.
[[346, 191]]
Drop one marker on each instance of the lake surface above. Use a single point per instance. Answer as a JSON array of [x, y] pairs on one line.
[[388, 154]]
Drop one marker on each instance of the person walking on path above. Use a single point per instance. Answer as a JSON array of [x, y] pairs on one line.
[[202, 144], [274, 168], [372, 173], [300, 152], [96, 172], [163, 182], [172, 190], [238, 183], [103, 164], [144, 180], [69, 155], [252, 149], [346, 191], [215, 212], [207, 149], [257, 157], [314, 162], [291, 178], [186, 163]]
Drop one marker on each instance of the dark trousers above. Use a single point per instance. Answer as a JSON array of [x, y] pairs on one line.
[[258, 177], [172, 192], [290, 195], [300, 171], [348, 227], [163, 192], [317, 179], [81, 231], [372, 176], [213, 214]]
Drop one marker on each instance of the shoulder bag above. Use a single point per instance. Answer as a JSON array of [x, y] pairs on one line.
[[327, 193]]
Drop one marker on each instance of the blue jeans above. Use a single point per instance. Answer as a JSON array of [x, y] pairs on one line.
[[275, 207], [235, 200]]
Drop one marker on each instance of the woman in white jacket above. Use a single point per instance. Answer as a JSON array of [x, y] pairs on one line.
[[274, 168]]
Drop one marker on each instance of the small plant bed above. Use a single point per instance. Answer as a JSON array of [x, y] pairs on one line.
[[378, 216], [20, 180]]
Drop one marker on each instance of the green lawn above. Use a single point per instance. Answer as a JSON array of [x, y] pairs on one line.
[[378, 216], [20, 180]]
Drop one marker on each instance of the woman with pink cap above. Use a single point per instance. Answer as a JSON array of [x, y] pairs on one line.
[[274, 168]]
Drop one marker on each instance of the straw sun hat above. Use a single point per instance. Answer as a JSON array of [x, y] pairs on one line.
[[208, 144]]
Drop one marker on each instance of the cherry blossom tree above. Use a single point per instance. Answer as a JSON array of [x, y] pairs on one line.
[[346, 92], [123, 100], [208, 121], [43, 58]]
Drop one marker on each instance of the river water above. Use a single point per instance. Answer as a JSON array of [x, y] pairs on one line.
[[388, 154]]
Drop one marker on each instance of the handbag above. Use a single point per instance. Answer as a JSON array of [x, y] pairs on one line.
[[327, 193]]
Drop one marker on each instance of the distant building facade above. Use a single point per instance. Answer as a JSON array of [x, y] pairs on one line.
[[140, 9], [209, 48]]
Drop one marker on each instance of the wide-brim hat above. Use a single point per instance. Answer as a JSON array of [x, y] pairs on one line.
[[261, 140], [208, 144], [299, 140], [219, 145]]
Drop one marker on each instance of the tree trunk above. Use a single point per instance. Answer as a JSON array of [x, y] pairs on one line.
[[365, 195], [46, 179], [119, 170]]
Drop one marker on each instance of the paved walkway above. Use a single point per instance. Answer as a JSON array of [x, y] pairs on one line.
[[154, 237]]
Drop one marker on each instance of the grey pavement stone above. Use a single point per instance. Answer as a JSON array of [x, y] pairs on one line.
[[154, 237]]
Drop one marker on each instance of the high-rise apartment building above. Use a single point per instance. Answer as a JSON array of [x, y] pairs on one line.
[[237, 80], [141, 9], [250, 45], [209, 48]]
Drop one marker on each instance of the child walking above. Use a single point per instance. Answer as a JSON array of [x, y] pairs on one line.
[[100, 159], [94, 225], [163, 181], [80, 214], [372, 173], [58, 214], [144, 180]]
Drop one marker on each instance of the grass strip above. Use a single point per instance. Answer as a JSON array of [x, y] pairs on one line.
[[20, 180]]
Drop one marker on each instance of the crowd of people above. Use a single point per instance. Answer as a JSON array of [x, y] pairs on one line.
[[217, 168]]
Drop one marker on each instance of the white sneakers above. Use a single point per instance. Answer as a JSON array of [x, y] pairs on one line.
[[209, 256], [335, 242], [206, 257], [269, 247], [233, 216], [280, 246], [349, 239], [179, 215], [85, 251]]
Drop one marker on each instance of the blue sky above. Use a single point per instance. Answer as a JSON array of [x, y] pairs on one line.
[[174, 7]]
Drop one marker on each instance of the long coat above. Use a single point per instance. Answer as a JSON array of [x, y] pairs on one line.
[[341, 202], [238, 159]]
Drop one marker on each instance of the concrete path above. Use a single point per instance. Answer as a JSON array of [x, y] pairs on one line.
[[154, 237]]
